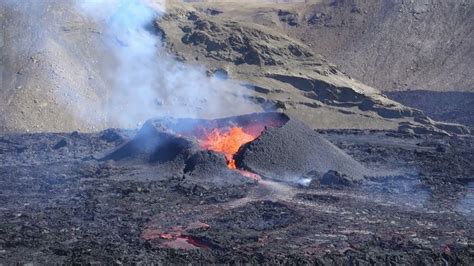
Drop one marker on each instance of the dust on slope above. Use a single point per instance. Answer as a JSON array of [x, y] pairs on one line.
[[49, 67]]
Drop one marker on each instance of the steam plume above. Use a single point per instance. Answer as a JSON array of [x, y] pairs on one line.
[[146, 80]]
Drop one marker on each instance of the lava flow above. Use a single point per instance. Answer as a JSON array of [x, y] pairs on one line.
[[227, 142]]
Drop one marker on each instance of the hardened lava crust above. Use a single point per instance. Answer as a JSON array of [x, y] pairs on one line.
[[65, 201]]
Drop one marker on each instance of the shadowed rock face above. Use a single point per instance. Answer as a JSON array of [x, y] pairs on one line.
[[448, 106], [287, 150]]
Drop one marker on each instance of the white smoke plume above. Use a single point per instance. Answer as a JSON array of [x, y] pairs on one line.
[[147, 81]]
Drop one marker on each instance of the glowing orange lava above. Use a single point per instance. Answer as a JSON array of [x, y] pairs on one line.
[[227, 142]]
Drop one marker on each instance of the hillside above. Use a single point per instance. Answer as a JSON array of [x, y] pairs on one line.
[[50, 67], [284, 73], [388, 44], [63, 71], [403, 48], [396, 45], [61, 74]]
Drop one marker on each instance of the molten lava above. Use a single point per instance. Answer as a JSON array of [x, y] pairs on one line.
[[227, 142]]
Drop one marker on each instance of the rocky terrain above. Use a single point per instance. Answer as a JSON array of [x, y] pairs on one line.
[[61, 203]]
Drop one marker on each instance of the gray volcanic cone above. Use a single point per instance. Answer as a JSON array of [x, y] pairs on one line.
[[295, 150], [285, 149]]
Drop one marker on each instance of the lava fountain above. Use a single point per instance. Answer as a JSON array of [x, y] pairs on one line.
[[227, 142]]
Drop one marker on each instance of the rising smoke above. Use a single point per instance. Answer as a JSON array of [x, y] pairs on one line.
[[147, 81]]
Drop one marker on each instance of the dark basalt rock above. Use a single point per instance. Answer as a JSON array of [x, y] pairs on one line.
[[152, 144], [207, 171], [202, 163], [317, 198], [292, 19], [258, 216], [334, 178], [61, 144], [111, 135]]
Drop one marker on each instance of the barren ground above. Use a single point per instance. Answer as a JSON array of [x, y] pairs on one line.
[[62, 205]]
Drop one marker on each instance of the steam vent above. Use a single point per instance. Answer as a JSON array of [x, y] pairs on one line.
[[241, 149]]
